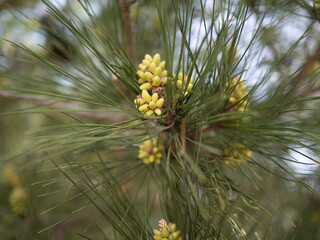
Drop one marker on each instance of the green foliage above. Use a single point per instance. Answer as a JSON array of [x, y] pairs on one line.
[[87, 155]]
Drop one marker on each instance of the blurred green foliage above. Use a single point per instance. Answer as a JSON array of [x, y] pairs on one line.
[[58, 208]]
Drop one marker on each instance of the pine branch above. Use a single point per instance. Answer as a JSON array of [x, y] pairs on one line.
[[183, 139], [125, 10], [59, 106], [231, 147], [297, 80], [305, 70]]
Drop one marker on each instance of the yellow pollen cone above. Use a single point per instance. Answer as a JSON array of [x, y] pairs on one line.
[[149, 113], [146, 86], [155, 97], [148, 58], [158, 71], [160, 102], [158, 111], [162, 64], [146, 63], [152, 105], [156, 59]]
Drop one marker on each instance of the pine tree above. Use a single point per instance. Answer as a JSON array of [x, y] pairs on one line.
[[166, 120]]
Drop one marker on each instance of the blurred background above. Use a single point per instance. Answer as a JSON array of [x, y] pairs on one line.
[[30, 204]]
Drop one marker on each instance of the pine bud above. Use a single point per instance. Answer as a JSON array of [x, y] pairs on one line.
[[172, 227], [10, 175], [146, 63], [152, 105], [153, 67], [155, 97], [148, 58], [148, 154], [146, 86], [156, 58], [152, 71], [181, 83], [158, 111], [149, 113], [149, 105], [162, 224], [164, 80], [141, 81], [162, 64], [158, 71], [148, 76], [141, 74], [143, 108], [18, 201], [236, 153], [156, 81], [166, 232], [237, 91], [142, 67], [164, 73], [146, 96], [138, 101], [160, 102]]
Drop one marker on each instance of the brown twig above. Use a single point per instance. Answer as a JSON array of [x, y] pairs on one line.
[[183, 131], [59, 106], [297, 81], [307, 67], [125, 10]]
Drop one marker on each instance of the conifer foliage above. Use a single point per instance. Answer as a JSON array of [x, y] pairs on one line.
[[169, 110]]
